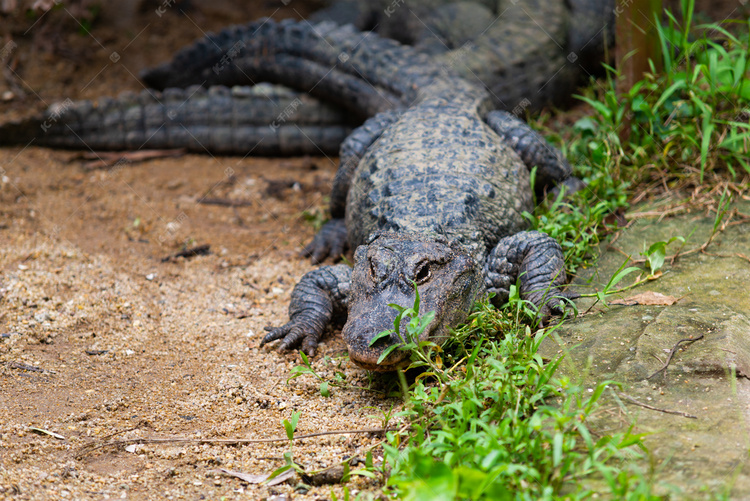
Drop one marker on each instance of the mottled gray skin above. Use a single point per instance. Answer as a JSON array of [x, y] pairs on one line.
[[527, 53]]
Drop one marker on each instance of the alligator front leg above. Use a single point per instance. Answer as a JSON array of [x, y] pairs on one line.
[[551, 166], [536, 260], [321, 296]]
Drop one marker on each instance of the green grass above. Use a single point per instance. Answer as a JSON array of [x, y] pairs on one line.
[[685, 128], [683, 124], [493, 422]]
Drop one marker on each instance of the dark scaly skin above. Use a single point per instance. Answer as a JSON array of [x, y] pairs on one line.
[[435, 189], [528, 53], [262, 119], [432, 189]]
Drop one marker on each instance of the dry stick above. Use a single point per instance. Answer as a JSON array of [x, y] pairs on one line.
[[225, 202], [646, 406], [198, 250], [735, 254], [368, 448], [661, 213], [228, 441], [673, 351], [24, 367]]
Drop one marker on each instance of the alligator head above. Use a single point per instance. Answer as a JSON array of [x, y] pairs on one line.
[[384, 273]]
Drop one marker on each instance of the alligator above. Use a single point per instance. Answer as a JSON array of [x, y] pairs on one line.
[[430, 190], [527, 53]]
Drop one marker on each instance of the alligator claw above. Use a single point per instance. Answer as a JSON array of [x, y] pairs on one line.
[[329, 241], [293, 336]]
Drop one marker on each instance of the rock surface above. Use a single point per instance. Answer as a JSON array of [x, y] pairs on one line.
[[706, 378]]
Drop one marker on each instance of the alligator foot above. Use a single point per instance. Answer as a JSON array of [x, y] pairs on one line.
[[320, 296], [329, 241], [534, 259]]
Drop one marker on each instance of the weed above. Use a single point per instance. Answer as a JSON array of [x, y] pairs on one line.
[[316, 217], [290, 426], [506, 428], [683, 123]]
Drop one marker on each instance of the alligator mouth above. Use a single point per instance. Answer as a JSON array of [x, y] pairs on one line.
[[367, 357]]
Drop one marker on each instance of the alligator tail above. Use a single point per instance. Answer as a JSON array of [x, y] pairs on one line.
[[360, 71], [264, 120]]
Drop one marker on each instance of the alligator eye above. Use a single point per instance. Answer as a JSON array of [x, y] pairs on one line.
[[423, 273]]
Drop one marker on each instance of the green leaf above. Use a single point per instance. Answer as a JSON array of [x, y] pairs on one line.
[[416, 298], [621, 273], [707, 130], [387, 352], [275, 473], [324, 391], [345, 476], [657, 252], [295, 418], [381, 335], [585, 124], [362, 472], [289, 429], [291, 425]]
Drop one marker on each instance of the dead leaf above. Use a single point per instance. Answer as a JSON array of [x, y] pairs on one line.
[[46, 432], [257, 479], [648, 298]]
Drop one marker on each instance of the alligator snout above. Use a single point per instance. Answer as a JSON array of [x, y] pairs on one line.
[[366, 320]]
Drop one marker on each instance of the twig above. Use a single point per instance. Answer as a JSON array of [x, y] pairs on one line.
[[103, 159], [228, 441], [25, 367], [225, 202], [662, 214], [734, 254], [646, 406], [199, 250], [673, 351], [701, 248]]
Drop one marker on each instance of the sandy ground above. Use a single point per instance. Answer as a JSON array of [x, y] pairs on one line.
[[102, 340]]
